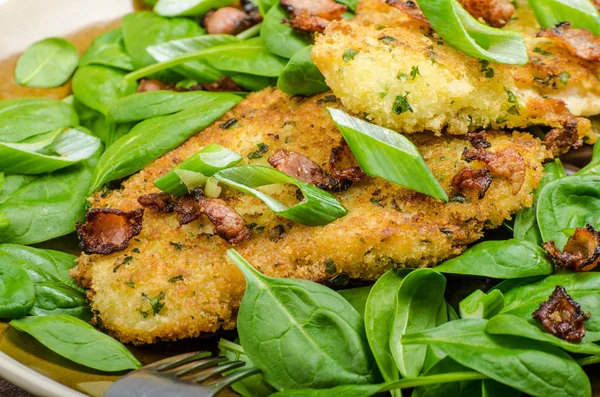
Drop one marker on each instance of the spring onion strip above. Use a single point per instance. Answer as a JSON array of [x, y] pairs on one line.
[[581, 13], [387, 154], [207, 161], [191, 179], [316, 209], [463, 32]]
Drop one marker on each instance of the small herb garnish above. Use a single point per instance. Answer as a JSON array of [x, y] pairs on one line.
[[486, 70], [458, 199], [382, 95], [414, 72], [130, 284], [157, 303], [514, 110], [176, 279], [401, 104], [500, 120], [402, 76], [349, 55], [228, 124], [124, 262], [262, 149], [330, 267], [177, 246], [327, 99], [512, 98], [388, 40], [542, 51], [564, 77]]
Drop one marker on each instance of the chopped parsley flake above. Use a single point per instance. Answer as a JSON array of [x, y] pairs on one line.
[[401, 104], [124, 262], [388, 40], [262, 149], [542, 51], [382, 95], [486, 69], [157, 303], [177, 246], [176, 279], [514, 110], [564, 77], [414, 72], [512, 98], [349, 55], [330, 267]]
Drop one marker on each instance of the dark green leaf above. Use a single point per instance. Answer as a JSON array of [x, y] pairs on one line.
[[47, 63], [17, 293], [480, 305], [301, 76], [176, 8], [447, 365], [357, 297], [108, 49], [593, 168], [98, 87], [252, 83], [279, 38]]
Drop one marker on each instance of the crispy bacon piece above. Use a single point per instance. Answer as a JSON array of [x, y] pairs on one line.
[[252, 10], [478, 140], [560, 140], [409, 7], [497, 13], [108, 230], [148, 85], [227, 20], [579, 42], [312, 15], [161, 202], [230, 226], [188, 209], [224, 84], [472, 181], [507, 163], [343, 165], [562, 316], [581, 253]]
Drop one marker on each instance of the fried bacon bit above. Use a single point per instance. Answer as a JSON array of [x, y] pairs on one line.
[[497, 13], [578, 42], [188, 209], [301, 167], [343, 165], [108, 230], [148, 85], [161, 202], [252, 10], [478, 140], [229, 225], [227, 20], [562, 316], [560, 140], [506, 163], [312, 15], [472, 181], [581, 253], [409, 7], [224, 84]]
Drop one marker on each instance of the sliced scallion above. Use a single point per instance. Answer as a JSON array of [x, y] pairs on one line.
[[316, 209], [463, 32], [387, 154], [207, 161], [191, 179], [212, 188], [581, 13]]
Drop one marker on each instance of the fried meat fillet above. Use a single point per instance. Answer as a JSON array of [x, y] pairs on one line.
[[175, 282], [396, 71]]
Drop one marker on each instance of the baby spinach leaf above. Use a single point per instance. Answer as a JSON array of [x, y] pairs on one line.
[[507, 324], [154, 137], [279, 38], [301, 76], [98, 87], [17, 293], [523, 297], [108, 49], [500, 259], [252, 83], [176, 8], [146, 105], [301, 334], [265, 5], [526, 225], [480, 305], [418, 302], [47, 63], [566, 204], [379, 313], [79, 342], [491, 388], [144, 29], [53, 297], [26, 117], [59, 196], [13, 183], [593, 168], [357, 297], [49, 152], [532, 367], [471, 388], [434, 354]]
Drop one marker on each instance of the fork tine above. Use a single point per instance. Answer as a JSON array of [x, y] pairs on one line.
[[200, 365], [174, 362], [209, 373], [235, 377]]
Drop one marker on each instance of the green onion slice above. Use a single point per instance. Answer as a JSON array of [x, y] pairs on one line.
[[316, 209], [463, 32], [387, 154], [581, 13], [207, 161], [191, 179]]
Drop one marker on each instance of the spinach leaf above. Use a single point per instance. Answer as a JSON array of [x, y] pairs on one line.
[[526, 225], [176, 8], [144, 29], [279, 38], [108, 49], [154, 137], [146, 105], [49, 152], [47, 63], [17, 293], [418, 302], [252, 83], [480, 305], [26, 117], [471, 388], [301, 334], [566, 204], [78, 341], [379, 312], [523, 297], [593, 168], [59, 196], [357, 297], [491, 388], [301, 76], [13, 183], [351, 4], [500, 259], [253, 386], [98, 87], [434, 354], [199, 70], [532, 367], [265, 5], [507, 324]]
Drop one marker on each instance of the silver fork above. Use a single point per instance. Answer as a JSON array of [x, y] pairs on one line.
[[185, 375]]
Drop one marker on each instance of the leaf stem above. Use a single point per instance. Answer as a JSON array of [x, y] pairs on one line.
[[589, 360], [433, 379], [251, 32]]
